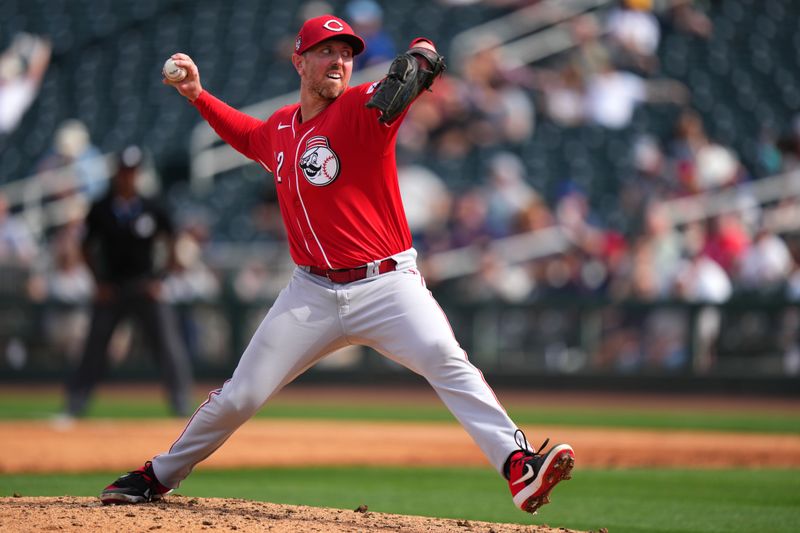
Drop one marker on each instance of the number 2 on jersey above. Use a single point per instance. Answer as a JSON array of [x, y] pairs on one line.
[[280, 165]]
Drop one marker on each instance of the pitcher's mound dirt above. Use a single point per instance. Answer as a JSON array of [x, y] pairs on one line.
[[179, 513]]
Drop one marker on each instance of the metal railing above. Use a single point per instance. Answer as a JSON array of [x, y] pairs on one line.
[[549, 241], [754, 339], [49, 198], [54, 197]]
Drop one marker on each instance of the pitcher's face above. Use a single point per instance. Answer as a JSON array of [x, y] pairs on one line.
[[325, 69]]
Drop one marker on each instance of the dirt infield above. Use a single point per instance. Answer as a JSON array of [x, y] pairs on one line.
[[40, 446], [43, 446]]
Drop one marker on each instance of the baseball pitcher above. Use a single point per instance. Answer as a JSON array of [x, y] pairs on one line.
[[332, 157]]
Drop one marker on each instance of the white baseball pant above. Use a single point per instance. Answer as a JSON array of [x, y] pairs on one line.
[[393, 313]]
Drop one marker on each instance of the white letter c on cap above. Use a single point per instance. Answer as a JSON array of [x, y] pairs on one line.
[[333, 25]]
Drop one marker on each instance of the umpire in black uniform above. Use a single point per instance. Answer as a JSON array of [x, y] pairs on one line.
[[119, 244]]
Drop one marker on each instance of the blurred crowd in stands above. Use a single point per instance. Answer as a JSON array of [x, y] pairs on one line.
[[613, 69], [491, 104]]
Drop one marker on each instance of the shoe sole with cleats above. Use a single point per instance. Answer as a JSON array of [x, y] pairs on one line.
[[556, 468]]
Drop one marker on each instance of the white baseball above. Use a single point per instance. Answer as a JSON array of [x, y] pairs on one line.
[[173, 72]]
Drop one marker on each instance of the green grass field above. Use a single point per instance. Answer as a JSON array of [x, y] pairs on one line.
[[622, 500]]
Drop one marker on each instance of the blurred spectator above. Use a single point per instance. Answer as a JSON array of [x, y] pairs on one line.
[[190, 281], [650, 182], [701, 164], [66, 285], [790, 336], [665, 338], [563, 95], [507, 193], [69, 281], [22, 67], [496, 280], [574, 214], [589, 55], [766, 264], [634, 35], [562, 273], [699, 278], [438, 121], [485, 107], [501, 109], [366, 18], [563, 89], [687, 18], [688, 136], [619, 347], [770, 159], [426, 115], [645, 285], [715, 166], [666, 247], [536, 215], [72, 146], [702, 280], [122, 231], [643, 337], [427, 204], [612, 96], [654, 261], [17, 245], [468, 221], [726, 240], [597, 252]]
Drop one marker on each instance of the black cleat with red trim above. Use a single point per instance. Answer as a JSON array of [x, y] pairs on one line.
[[137, 486]]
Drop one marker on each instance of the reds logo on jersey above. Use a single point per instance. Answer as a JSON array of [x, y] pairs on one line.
[[320, 164]]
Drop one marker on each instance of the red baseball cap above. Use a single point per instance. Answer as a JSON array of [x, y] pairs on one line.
[[325, 27]]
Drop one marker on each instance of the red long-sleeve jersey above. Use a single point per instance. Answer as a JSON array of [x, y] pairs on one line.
[[335, 174]]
